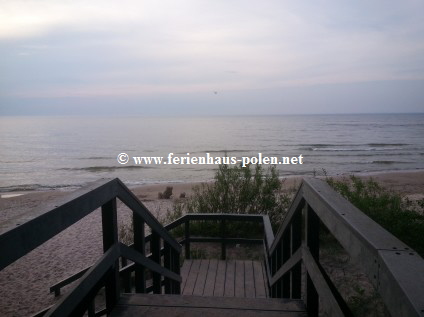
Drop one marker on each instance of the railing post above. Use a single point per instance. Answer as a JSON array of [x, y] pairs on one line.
[[187, 238], [167, 258], [110, 237], [286, 250], [126, 277], [155, 249], [273, 271], [296, 273], [176, 287], [312, 224], [223, 244], [139, 246], [91, 311]]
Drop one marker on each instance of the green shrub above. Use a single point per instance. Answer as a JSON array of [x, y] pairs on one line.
[[392, 211], [239, 190]]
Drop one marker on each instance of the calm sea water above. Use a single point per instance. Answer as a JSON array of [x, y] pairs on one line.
[[67, 152]]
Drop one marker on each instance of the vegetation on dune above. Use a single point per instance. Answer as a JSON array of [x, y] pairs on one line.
[[237, 190], [397, 214]]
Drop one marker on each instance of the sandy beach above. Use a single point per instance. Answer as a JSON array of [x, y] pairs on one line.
[[24, 285]]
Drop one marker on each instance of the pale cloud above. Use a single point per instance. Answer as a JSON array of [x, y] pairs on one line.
[[56, 49]]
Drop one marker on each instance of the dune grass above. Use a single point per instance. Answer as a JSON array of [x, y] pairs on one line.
[[394, 212]]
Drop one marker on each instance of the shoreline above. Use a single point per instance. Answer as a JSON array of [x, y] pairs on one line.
[[25, 283], [19, 207], [14, 190]]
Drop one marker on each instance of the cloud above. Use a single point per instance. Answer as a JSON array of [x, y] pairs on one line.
[[57, 49]]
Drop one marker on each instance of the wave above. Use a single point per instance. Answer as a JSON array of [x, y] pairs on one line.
[[387, 144], [98, 169], [356, 149], [95, 158], [203, 153], [39, 187], [388, 162], [353, 147]]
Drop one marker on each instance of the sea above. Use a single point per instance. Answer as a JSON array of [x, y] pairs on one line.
[[64, 153]]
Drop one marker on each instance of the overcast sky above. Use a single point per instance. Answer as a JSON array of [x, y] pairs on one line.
[[212, 57]]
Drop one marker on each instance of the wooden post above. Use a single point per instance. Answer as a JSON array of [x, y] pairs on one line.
[[110, 237], [223, 244], [91, 311], [176, 268], [312, 223], [139, 245], [296, 273], [126, 277], [155, 249], [273, 271], [167, 265], [286, 255], [278, 263], [187, 239]]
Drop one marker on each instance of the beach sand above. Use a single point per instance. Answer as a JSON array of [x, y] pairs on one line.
[[24, 285]]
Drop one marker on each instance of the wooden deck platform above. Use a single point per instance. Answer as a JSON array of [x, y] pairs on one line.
[[223, 278], [213, 288], [205, 306]]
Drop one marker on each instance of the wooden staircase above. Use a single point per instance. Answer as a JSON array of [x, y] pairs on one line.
[[289, 279]]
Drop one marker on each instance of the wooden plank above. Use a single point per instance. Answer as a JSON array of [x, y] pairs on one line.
[[327, 299], [156, 257], [229, 279], [294, 259], [131, 311], [239, 279], [201, 278], [264, 270], [210, 279], [220, 279], [264, 304], [139, 246], [185, 269], [191, 279], [134, 256], [269, 234], [249, 280], [110, 239], [229, 217], [296, 206], [258, 275]]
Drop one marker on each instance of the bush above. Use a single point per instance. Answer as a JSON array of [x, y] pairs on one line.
[[239, 190], [392, 211]]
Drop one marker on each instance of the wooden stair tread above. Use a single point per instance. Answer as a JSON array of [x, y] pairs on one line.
[[205, 306]]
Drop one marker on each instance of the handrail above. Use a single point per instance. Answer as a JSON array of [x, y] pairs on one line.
[[395, 270], [66, 211], [223, 239], [185, 220]]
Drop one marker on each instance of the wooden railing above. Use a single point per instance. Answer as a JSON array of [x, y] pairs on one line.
[[187, 238], [291, 258], [224, 238], [395, 270], [105, 272]]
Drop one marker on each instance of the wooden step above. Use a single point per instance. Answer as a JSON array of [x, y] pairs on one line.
[[205, 306]]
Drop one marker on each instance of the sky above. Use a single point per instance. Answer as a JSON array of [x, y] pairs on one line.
[[221, 57]]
